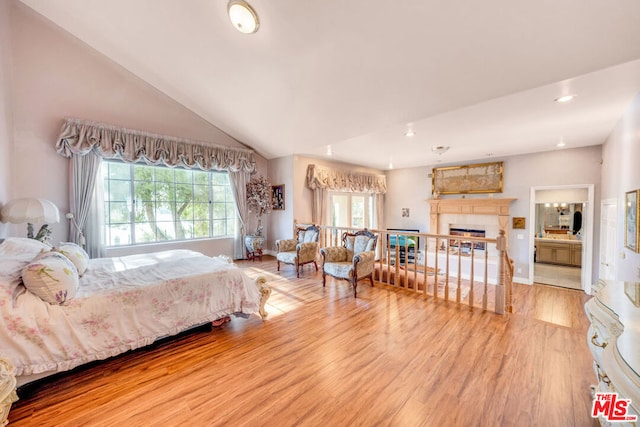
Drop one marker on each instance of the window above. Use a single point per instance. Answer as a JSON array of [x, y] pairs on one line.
[[352, 210], [145, 204]]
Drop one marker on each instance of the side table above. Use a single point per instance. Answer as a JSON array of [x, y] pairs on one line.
[[253, 245]]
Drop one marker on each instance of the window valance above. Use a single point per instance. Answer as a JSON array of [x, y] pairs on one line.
[[334, 179], [108, 141]]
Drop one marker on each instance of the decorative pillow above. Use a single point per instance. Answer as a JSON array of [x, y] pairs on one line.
[[76, 255], [52, 277], [21, 248]]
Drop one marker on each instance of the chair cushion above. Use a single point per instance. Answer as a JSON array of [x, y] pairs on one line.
[[306, 236], [286, 257], [357, 244], [339, 269]]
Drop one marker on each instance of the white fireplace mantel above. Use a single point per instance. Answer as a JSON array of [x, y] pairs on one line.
[[491, 206]]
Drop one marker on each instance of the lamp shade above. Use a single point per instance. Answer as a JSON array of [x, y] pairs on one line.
[[19, 211]]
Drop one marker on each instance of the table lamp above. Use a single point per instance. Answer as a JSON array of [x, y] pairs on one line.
[[31, 210]]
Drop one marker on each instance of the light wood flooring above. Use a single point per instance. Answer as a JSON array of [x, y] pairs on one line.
[[557, 275], [323, 358]]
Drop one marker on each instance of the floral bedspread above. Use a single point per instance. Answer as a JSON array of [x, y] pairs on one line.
[[121, 304]]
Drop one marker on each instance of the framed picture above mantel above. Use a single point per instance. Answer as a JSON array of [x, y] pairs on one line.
[[468, 179]]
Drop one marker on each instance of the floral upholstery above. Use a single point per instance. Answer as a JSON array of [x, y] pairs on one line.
[[299, 251], [353, 261]]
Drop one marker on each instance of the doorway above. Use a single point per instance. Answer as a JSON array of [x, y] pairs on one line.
[[562, 236]]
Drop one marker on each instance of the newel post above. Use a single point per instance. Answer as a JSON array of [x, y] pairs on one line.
[[501, 244]]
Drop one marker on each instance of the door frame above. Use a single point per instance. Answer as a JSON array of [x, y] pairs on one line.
[[603, 203], [588, 215]]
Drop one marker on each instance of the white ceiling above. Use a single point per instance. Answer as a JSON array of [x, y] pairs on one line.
[[479, 77]]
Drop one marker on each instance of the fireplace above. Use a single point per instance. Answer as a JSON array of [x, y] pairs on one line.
[[491, 215], [466, 231]]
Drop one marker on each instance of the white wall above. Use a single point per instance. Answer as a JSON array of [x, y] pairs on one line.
[[620, 173], [55, 75], [410, 187], [6, 126]]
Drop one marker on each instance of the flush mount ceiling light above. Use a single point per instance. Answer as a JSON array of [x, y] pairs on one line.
[[564, 98], [329, 152], [409, 133], [561, 144], [440, 149], [243, 17]]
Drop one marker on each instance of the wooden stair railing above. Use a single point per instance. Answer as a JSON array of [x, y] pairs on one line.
[[437, 267]]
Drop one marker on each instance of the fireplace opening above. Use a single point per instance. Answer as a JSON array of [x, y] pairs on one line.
[[460, 243]]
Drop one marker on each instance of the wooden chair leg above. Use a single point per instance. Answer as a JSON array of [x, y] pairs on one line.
[[298, 270], [371, 280], [316, 264], [355, 288], [278, 265], [324, 279]]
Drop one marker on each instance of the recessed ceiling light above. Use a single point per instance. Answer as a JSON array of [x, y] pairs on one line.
[[409, 133], [243, 17], [565, 98], [329, 152], [440, 149], [561, 144]]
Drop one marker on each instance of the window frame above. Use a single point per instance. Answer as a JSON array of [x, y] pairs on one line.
[[370, 219], [229, 221]]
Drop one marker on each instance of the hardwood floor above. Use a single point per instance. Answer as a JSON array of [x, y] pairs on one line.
[[389, 357]]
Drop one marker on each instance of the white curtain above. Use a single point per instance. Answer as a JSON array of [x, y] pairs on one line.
[[380, 211], [238, 180], [84, 172], [319, 213]]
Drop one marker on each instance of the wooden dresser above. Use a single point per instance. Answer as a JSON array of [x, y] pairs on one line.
[[614, 341]]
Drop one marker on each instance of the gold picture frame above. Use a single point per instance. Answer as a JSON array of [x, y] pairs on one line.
[[631, 220], [468, 179], [519, 223]]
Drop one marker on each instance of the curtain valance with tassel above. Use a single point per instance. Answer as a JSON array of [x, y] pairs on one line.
[[334, 179], [80, 137]]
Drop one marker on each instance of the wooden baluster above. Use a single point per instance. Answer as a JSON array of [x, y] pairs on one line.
[[473, 277], [459, 271], [501, 244], [486, 279]]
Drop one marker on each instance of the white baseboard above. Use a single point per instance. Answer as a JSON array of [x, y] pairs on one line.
[[523, 280]]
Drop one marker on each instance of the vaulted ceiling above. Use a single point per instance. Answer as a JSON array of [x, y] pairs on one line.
[[355, 75]]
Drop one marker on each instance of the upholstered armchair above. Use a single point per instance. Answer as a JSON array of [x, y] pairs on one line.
[[353, 261], [301, 250]]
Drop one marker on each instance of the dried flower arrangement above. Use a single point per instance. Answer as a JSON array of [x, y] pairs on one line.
[[259, 199]]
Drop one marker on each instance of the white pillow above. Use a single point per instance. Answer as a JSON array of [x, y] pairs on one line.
[[76, 255], [21, 248], [52, 277]]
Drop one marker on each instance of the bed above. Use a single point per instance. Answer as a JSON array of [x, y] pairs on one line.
[[120, 304]]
